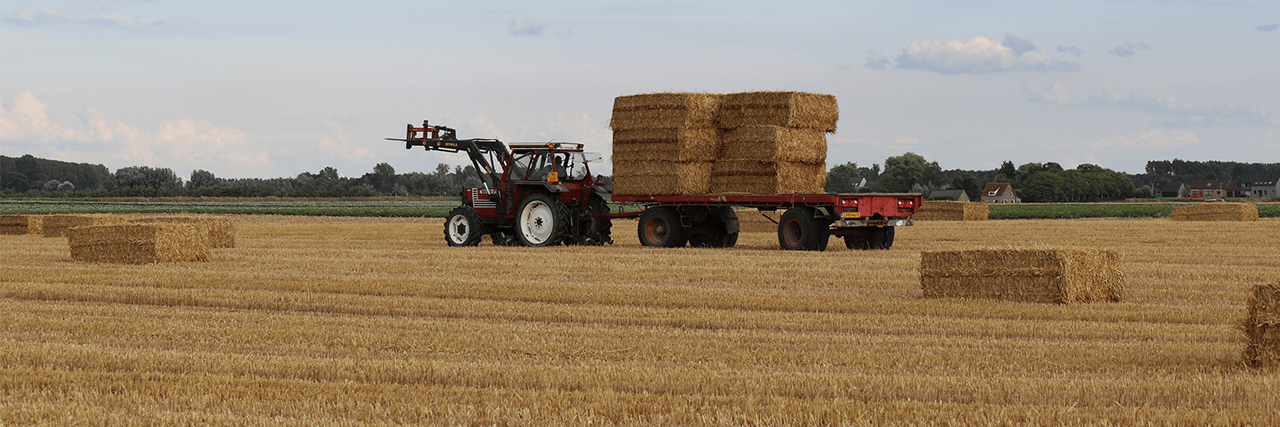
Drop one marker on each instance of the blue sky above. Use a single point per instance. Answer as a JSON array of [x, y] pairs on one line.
[[268, 89]]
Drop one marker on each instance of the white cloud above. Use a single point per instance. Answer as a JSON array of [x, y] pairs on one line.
[[1153, 138], [1178, 113], [180, 144], [1055, 94], [1129, 49], [335, 142], [1070, 49], [55, 15], [523, 26], [876, 60], [979, 55], [1267, 28]]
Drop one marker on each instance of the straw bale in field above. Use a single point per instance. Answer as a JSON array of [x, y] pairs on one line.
[[1262, 326], [786, 109], [220, 231], [776, 144], [1217, 212], [685, 144], [1061, 276], [655, 178], [938, 210], [665, 110], [756, 177], [137, 243], [21, 224], [57, 225]]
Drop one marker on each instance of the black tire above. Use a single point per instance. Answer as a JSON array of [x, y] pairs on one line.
[[463, 227], [713, 230], [823, 235], [660, 227], [859, 239], [881, 238], [597, 230], [888, 239], [798, 230], [541, 220]]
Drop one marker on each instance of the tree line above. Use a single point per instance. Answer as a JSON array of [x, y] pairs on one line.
[[35, 177]]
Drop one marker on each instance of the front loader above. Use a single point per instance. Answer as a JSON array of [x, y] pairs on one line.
[[543, 195]]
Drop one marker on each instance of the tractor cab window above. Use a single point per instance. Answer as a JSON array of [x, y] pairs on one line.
[[521, 166], [575, 167], [568, 166]]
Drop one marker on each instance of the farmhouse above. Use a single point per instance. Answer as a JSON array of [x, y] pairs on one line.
[[1262, 185], [1215, 188], [1175, 189], [957, 195], [999, 192]]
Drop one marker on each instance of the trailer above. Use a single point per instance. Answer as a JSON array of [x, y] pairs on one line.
[[863, 220]]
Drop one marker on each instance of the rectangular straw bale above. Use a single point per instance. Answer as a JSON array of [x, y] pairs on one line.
[[661, 178], [665, 110], [220, 231], [1060, 276], [745, 177], [776, 144], [1262, 327], [21, 224], [786, 109], [1217, 212], [938, 210], [57, 225], [137, 243], [685, 144]]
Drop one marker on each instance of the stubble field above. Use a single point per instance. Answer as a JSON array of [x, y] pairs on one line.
[[374, 321]]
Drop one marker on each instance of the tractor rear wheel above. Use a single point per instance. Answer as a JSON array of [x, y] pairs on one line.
[[798, 230], [660, 227], [597, 229], [463, 227], [541, 220]]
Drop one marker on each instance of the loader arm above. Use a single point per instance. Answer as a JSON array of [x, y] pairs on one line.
[[484, 153]]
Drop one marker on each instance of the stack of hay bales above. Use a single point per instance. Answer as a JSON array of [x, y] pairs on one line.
[[664, 143], [937, 210], [774, 143], [57, 225], [1061, 276], [1217, 212], [221, 232], [138, 243], [1262, 326], [21, 224]]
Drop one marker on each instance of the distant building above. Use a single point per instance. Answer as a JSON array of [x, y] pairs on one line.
[[1261, 186], [999, 192], [1214, 188], [957, 195], [1176, 189]]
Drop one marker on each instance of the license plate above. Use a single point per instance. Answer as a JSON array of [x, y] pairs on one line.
[[851, 215]]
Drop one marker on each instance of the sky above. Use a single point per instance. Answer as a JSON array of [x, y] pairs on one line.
[[265, 89]]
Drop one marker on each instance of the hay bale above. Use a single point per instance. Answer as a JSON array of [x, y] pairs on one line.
[[938, 210], [220, 231], [1217, 212], [57, 225], [686, 144], [1262, 327], [1061, 276], [661, 178], [738, 176], [21, 224], [665, 110], [776, 144], [786, 109], [138, 243]]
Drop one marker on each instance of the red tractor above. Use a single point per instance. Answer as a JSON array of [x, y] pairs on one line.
[[544, 194]]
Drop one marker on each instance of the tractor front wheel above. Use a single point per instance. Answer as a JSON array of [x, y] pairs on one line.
[[541, 220], [463, 227], [660, 227]]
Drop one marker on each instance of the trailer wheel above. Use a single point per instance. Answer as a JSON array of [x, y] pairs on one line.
[[877, 238], [886, 240], [541, 220], [858, 239], [597, 229], [463, 227], [660, 227], [798, 230]]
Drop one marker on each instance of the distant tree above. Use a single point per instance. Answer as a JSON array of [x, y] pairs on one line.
[[970, 184], [1210, 175], [66, 186], [910, 168], [1009, 172], [843, 178], [51, 186], [201, 178]]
